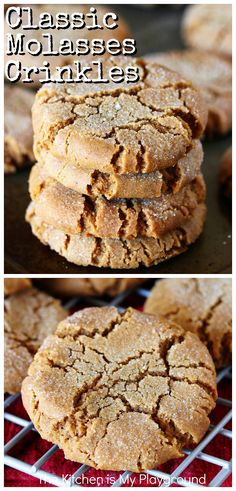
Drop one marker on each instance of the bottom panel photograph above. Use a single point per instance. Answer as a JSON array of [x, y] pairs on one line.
[[115, 382]]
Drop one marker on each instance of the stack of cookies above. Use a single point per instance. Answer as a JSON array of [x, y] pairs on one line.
[[117, 181], [18, 134]]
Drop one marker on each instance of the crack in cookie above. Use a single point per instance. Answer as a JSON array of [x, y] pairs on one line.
[[212, 74], [102, 389], [203, 306], [29, 316], [133, 185], [73, 213], [117, 253], [140, 127]]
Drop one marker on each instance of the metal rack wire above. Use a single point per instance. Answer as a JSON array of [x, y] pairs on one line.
[[164, 479]]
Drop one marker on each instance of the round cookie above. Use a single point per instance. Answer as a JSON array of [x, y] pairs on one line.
[[209, 26], [67, 287], [18, 131], [135, 127], [95, 183], [29, 317], [116, 253], [120, 33], [225, 174], [14, 285], [212, 74], [134, 390], [73, 213], [203, 306]]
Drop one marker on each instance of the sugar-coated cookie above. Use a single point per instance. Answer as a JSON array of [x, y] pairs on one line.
[[18, 131], [203, 306], [212, 74], [117, 253], [73, 213], [209, 26], [29, 317], [121, 128], [120, 391]]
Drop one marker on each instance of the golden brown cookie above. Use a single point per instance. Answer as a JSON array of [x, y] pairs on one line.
[[212, 74], [18, 131], [14, 285], [117, 253], [95, 183], [225, 174], [203, 306], [136, 127], [209, 27], [134, 390], [119, 33], [73, 213], [29, 317], [67, 287]]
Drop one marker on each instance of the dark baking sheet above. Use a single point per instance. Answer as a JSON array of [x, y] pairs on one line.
[[154, 29]]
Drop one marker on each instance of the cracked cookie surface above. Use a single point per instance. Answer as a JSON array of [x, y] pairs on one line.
[[18, 131], [212, 74], [95, 183], [117, 253], [14, 285], [73, 213], [203, 306], [89, 286], [133, 127], [120, 391], [29, 316], [209, 26]]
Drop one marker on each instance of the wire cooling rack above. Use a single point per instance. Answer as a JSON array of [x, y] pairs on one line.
[[222, 467]]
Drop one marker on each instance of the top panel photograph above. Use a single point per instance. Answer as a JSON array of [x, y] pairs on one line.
[[117, 139]]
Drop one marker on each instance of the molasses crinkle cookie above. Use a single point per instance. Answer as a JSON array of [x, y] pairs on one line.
[[29, 316], [118, 180], [18, 131], [207, 26], [212, 74], [94, 183], [74, 213], [202, 306], [120, 391], [85, 250], [136, 127]]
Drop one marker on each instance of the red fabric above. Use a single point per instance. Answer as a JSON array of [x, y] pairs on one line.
[[32, 447]]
